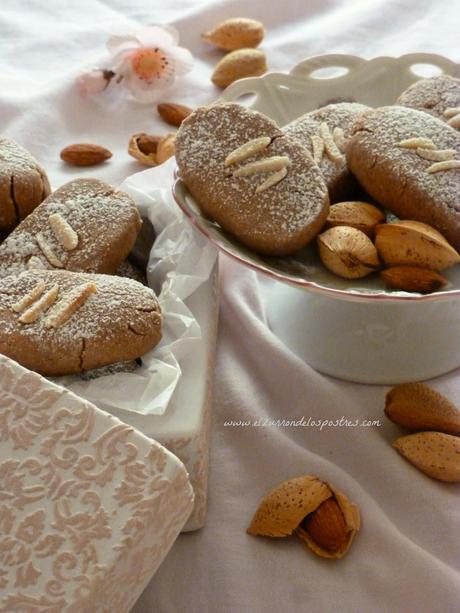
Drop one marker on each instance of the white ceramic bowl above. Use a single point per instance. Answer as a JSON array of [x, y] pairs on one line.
[[355, 330]]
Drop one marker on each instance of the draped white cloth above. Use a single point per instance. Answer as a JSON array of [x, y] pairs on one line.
[[407, 556]]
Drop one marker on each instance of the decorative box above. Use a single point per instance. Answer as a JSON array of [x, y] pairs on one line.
[[89, 506]]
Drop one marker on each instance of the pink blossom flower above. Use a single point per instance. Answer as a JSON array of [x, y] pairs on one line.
[[94, 81], [148, 60]]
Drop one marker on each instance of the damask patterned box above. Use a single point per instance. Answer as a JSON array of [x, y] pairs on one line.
[[89, 506]]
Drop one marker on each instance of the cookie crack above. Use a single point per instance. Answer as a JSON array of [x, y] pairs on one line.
[[81, 356], [13, 200]]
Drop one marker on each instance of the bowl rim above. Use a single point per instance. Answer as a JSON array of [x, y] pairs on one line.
[[307, 66]]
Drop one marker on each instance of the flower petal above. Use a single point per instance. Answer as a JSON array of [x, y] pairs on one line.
[[118, 44], [145, 91], [182, 59], [157, 36]]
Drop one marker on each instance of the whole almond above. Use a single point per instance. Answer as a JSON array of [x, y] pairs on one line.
[[85, 154], [434, 453], [173, 113], [347, 252], [413, 243], [416, 406], [236, 33], [238, 65], [413, 279], [360, 215], [327, 527]]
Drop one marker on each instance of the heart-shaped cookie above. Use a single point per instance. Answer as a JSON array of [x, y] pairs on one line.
[[260, 185]]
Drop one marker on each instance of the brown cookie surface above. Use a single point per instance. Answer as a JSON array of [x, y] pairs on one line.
[[416, 179], [23, 184], [438, 96], [314, 129], [274, 200], [57, 322], [84, 226]]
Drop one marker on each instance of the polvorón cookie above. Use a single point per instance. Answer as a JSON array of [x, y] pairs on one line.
[[324, 132], [409, 161], [84, 226], [58, 322], [259, 184], [23, 184]]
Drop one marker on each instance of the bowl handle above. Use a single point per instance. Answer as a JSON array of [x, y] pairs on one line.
[[305, 68], [240, 88], [446, 66]]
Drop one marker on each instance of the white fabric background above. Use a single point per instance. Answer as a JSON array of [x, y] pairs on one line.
[[406, 557]]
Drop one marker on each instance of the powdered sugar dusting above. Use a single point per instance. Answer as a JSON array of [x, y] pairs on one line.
[[341, 115], [384, 128], [14, 158], [205, 140], [433, 96], [117, 305], [87, 205], [377, 136]]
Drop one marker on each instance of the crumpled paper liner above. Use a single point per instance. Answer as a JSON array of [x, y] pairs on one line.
[[179, 262]]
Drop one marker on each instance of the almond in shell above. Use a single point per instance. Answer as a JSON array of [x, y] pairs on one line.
[[321, 516], [417, 406], [236, 33], [360, 215], [413, 279], [166, 148], [238, 65], [413, 243], [150, 149], [347, 252], [143, 147], [434, 453], [85, 154]]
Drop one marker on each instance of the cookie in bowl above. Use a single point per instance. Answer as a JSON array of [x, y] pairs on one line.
[[438, 96], [23, 184], [60, 323], [409, 161], [84, 226], [324, 132], [257, 183]]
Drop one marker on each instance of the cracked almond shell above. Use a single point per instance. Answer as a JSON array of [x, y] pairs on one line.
[[143, 147], [283, 510], [434, 453], [416, 406], [23, 184]]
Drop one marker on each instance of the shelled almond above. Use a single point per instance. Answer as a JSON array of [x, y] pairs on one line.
[[85, 154]]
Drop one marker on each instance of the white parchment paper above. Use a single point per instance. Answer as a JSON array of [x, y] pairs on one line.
[[179, 262]]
